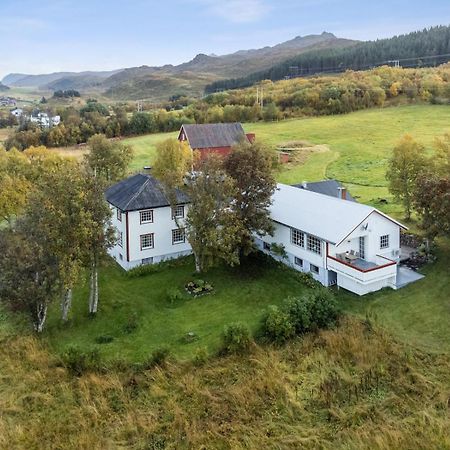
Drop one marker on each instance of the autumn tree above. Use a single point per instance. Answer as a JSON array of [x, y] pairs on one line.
[[432, 203], [404, 167], [107, 159], [29, 278], [213, 227], [250, 166]]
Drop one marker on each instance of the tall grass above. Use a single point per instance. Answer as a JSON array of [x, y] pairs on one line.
[[352, 387]]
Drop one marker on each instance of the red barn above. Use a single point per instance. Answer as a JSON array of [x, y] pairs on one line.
[[216, 138]]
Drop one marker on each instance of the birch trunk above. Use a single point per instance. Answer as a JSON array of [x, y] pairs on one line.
[[41, 316], [93, 294], [66, 304], [198, 267]]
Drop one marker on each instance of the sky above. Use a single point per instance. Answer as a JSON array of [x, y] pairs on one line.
[[46, 36]]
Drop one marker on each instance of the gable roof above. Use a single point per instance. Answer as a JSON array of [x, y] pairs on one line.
[[329, 218], [140, 191], [212, 135], [326, 187]]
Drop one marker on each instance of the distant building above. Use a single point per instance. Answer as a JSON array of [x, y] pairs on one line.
[[44, 120], [331, 188], [7, 101], [17, 112], [216, 138]]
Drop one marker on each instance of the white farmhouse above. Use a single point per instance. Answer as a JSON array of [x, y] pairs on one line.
[[17, 112], [338, 241], [148, 230]]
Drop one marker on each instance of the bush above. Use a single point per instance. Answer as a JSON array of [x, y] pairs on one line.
[[104, 339], [324, 309], [78, 361], [236, 338], [158, 357], [299, 315], [277, 325], [174, 295], [200, 356], [199, 287], [308, 280]]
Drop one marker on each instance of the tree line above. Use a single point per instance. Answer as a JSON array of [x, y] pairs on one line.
[[409, 48], [55, 225]]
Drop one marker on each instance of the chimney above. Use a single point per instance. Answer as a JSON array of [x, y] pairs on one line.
[[147, 170], [342, 192], [304, 185]]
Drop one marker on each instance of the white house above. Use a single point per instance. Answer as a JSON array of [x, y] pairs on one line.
[[321, 228], [17, 112], [338, 241], [148, 230]]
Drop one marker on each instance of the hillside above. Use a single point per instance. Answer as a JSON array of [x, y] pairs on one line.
[[428, 47], [190, 78], [3, 87]]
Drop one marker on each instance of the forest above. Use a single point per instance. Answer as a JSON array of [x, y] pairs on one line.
[[428, 47]]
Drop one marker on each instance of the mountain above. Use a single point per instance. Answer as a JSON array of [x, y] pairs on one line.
[[189, 78], [420, 48], [3, 88], [45, 80]]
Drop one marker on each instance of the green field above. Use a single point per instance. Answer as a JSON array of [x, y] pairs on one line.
[[360, 144]]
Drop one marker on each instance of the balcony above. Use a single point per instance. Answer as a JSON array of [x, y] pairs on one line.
[[351, 265]]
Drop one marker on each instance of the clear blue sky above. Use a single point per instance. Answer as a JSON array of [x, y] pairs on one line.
[[39, 36]]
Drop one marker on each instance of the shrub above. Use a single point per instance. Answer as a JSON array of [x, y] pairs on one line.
[[132, 323], [308, 280], [324, 309], [104, 339], [200, 356], [199, 287], [299, 312], [158, 357], [236, 338], [78, 361], [174, 295], [277, 325]]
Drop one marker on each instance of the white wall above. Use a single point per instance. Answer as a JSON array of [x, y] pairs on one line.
[[161, 227]]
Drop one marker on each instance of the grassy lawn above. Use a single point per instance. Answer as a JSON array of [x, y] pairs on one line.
[[241, 294], [419, 314]]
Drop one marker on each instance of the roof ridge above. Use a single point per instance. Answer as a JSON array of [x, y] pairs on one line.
[[139, 190]]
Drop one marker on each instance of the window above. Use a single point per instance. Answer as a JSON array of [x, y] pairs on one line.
[[120, 238], [266, 246], [120, 256], [119, 215], [146, 241], [178, 236], [313, 245], [297, 237], [298, 262], [178, 212], [384, 241], [313, 268], [146, 216]]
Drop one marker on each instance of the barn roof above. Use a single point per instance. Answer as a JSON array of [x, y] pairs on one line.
[[326, 187], [140, 191], [212, 135]]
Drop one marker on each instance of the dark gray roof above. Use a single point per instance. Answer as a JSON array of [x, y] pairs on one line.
[[326, 187], [211, 135], [140, 191]]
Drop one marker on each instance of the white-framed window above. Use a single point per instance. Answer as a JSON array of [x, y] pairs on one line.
[[266, 246], [119, 238], [147, 241], [298, 261], [313, 268], [119, 214], [384, 241], [178, 236], [313, 245], [297, 237], [146, 216], [178, 212]]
